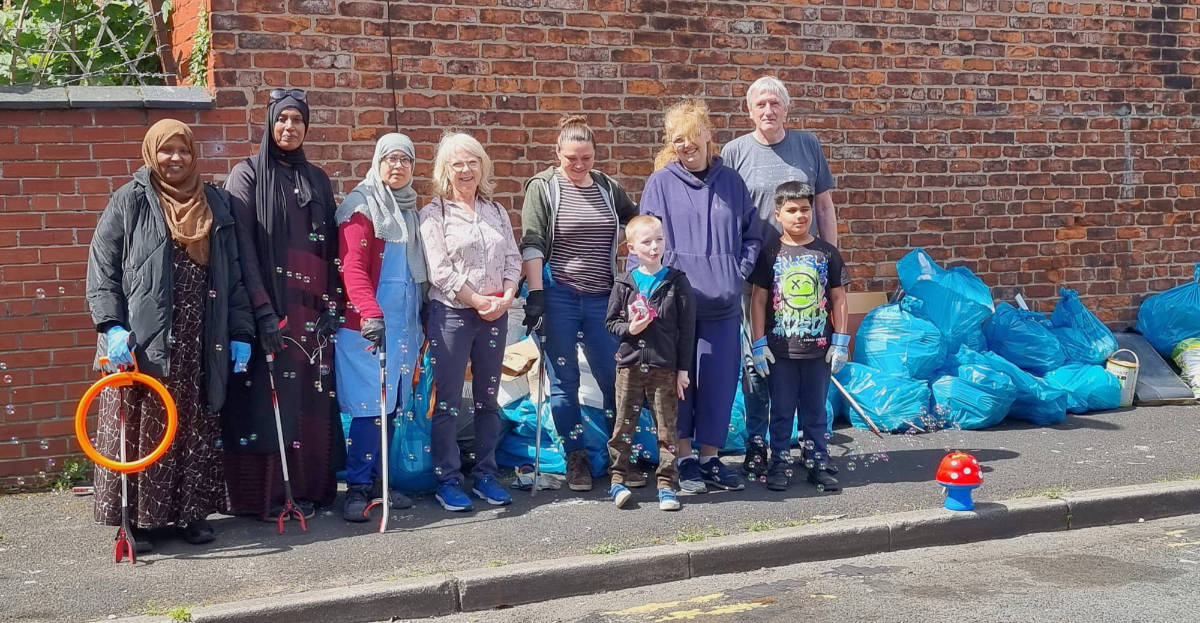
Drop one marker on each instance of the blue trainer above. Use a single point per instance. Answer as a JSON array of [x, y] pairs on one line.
[[450, 495], [690, 479], [490, 491], [715, 473], [620, 494], [667, 500]]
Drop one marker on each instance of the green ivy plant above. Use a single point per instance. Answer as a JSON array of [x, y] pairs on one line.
[[78, 42], [201, 42]]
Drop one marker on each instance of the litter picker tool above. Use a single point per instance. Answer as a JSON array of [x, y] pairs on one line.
[[535, 333], [854, 403], [123, 378], [289, 503], [383, 502]]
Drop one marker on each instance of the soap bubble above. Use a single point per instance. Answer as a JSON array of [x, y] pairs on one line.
[[243, 441], [44, 445], [253, 436], [495, 331], [850, 466], [212, 294], [579, 335], [40, 293], [62, 290], [9, 409]]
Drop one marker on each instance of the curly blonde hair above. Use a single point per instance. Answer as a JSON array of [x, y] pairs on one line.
[[686, 118], [440, 184]]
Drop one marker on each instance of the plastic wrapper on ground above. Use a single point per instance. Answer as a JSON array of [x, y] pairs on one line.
[[894, 403], [956, 301], [1084, 339], [1170, 317], [1088, 387], [1024, 338], [895, 339]]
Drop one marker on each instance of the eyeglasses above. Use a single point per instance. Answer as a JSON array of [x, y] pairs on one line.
[[398, 160], [463, 166], [278, 94]]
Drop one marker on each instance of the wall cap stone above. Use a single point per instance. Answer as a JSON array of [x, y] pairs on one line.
[[41, 98]]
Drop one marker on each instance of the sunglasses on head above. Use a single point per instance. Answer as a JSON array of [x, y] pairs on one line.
[[278, 94]]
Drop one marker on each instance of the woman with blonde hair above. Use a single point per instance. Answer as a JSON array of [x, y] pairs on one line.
[[474, 266], [570, 217], [713, 235]]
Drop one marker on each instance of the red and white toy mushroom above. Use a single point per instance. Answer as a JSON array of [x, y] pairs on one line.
[[959, 472]]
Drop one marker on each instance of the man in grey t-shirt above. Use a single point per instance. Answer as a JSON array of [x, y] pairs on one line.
[[772, 155], [766, 158]]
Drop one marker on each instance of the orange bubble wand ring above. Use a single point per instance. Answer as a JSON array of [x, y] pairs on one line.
[[125, 378]]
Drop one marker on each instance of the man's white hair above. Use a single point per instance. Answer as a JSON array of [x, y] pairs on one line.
[[768, 84]]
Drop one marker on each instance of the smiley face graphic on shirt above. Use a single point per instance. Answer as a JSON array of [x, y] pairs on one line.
[[800, 296]]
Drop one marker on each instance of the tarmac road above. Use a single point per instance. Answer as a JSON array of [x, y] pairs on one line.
[[49, 546], [1146, 573]]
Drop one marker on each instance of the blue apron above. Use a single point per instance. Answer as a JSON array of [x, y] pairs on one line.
[[357, 368]]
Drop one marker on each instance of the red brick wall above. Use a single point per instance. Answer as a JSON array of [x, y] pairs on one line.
[[1038, 143]]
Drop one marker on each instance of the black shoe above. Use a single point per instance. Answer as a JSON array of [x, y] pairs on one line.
[[778, 479], [755, 463], [355, 508], [196, 532], [823, 481], [142, 541], [830, 468], [306, 508], [396, 499]]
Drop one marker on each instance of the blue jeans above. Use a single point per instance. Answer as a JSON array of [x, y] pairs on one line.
[[572, 318]]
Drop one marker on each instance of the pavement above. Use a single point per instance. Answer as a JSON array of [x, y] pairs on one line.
[[1105, 468]]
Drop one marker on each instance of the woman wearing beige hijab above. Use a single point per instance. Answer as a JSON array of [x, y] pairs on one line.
[[164, 286]]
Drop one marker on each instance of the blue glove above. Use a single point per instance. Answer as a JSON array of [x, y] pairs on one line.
[[762, 356], [839, 351], [118, 346], [240, 353]]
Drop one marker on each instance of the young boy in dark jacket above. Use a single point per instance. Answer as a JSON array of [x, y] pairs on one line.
[[798, 323], [653, 311]]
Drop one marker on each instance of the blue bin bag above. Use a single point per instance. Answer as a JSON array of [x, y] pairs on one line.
[[893, 402], [895, 339], [1024, 338], [1083, 337], [410, 462], [956, 301], [518, 428], [1036, 400], [977, 397], [1088, 387], [1170, 317]]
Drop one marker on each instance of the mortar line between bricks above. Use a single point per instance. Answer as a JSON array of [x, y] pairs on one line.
[[1169, 499]]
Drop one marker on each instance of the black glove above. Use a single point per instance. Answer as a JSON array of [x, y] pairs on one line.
[[270, 337], [372, 331], [535, 306], [327, 324]]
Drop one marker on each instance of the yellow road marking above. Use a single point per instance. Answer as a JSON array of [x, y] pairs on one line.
[[663, 605], [1187, 544], [689, 615], [1175, 532]]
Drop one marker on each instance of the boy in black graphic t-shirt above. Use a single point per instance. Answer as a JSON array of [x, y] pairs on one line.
[[798, 323]]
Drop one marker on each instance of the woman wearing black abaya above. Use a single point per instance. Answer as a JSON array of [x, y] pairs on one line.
[[288, 239]]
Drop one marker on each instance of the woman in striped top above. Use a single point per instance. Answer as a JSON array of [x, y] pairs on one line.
[[571, 217]]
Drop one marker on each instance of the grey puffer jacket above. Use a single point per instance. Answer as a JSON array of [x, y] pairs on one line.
[[130, 280]]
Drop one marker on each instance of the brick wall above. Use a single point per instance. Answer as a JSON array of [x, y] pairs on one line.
[[1038, 143]]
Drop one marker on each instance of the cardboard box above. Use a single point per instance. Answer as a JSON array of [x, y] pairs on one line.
[[858, 304]]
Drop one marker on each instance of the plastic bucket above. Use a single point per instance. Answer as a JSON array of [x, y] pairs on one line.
[[1126, 372]]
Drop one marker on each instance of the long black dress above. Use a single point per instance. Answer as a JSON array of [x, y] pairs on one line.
[[303, 371]]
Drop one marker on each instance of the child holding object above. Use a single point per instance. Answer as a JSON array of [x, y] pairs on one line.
[[653, 311], [798, 323]]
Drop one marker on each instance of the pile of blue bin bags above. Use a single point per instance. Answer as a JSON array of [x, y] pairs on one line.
[[944, 356]]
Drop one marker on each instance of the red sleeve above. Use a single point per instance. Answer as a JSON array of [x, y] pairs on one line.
[[356, 265]]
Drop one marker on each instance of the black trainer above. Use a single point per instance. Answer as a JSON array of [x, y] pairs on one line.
[[755, 463], [778, 478], [196, 532], [355, 508], [822, 480]]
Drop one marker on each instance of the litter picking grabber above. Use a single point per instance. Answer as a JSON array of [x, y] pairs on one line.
[[383, 502], [289, 503], [854, 403], [124, 377], [537, 408]]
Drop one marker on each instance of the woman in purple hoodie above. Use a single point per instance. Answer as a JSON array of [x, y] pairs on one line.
[[713, 235]]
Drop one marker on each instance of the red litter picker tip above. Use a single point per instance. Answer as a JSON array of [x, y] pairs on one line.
[[290, 509]]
